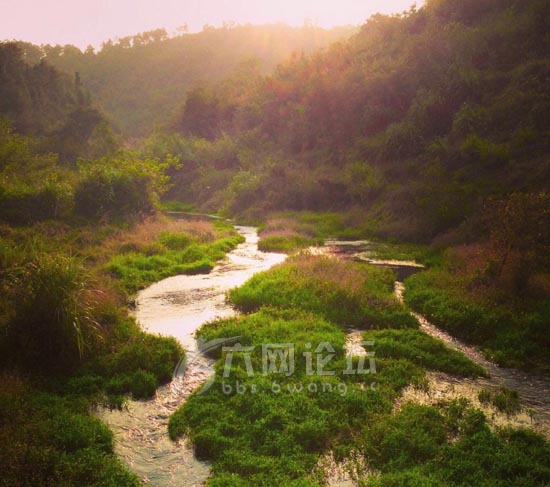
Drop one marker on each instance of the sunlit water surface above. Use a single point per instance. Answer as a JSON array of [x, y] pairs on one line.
[[179, 305]]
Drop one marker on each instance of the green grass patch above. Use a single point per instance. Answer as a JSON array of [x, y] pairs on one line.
[[505, 400], [512, 336], [285, 243], [420, 348], [412, 448], [291, 231], [255, 433], [345, 293], [136, 366], [272, 428], [406, 252], [51, 440], [176, 206], [174, 254]]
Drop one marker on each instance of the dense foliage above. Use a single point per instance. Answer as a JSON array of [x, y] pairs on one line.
[[172, 64], [419, 118], [431, 126]]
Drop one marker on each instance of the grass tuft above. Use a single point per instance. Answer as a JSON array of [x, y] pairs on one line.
[[345, 293]]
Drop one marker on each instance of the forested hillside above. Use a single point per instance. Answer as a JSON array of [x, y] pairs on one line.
[[419, 118], [140, 80], [53, 107]]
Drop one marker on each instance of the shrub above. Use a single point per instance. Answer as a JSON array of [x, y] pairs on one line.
[[113, 196], [53, 324], [120, 186], [143, 385]]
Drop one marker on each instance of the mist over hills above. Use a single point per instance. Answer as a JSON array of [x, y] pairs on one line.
[[139, 80]]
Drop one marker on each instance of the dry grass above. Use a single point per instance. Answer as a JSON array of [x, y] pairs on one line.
[[280, 226], [146, 233], [330, 270]]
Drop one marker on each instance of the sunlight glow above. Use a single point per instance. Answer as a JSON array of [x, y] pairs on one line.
[[83, 22]]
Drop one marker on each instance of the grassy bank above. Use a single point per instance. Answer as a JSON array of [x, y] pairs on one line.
[[179, 247], [50, 439], [274, 428], [67, 343], [290, 232], [510, 329], [344, 293]]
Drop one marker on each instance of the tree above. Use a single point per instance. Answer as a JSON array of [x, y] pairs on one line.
[[520, 236]]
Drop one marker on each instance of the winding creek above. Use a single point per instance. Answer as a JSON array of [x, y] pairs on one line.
[[179, 305]]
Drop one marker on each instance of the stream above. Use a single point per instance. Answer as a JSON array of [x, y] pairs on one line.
[[533, 388], [179, 305]]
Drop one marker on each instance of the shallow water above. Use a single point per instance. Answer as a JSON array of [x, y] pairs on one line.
[[533, 388], [177, 307]]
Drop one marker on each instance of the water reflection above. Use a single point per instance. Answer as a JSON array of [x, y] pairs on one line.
[[176, 307]]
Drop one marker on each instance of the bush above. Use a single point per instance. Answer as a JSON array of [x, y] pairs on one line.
[[120, 187], [143, 385], [113, 196], [53, 324]]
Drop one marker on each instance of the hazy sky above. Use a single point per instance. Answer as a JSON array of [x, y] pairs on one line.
[[83, 22]]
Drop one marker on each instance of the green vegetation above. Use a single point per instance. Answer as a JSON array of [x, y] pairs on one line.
[[344, 293], [291, 231], [510, 331], [52, 319], [171, 206], [285, 242], [71, 205], [478, 457], [424, 350], [114, 74], [288, 233], [173, 254], [505, 400], [274, 428], [431, 127], [412, 125], [51, 440], [264, 437]]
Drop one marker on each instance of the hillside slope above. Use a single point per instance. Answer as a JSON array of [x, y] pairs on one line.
[[140, 80], [420, 118]]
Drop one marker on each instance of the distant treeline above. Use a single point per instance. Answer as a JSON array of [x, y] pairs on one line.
[[421, 118], [140, 80]]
